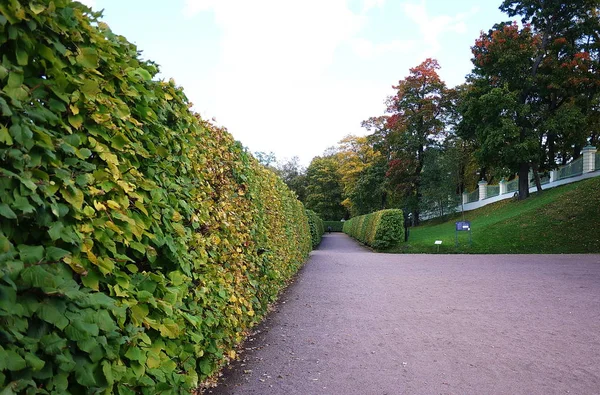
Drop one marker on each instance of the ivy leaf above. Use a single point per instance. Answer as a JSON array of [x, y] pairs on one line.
[[7, 212], [30, 254], [22, 57], [84, 372], [55, 254], [35, 362], [21, 203], [76, 121], [74, 196], [5, 136], [136, 354], [15, 80], [14, 361], [55, 230], [37, 8], [52, 315], [52, 343], [88, 58]]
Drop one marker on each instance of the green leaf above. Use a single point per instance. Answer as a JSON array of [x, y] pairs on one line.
[[55, 230], [22, 57], [55, 254], [76, 121], [107, 370], [15, 80], [90, 89], [206, 366], [7, 212], [37, 8], [14, 361], [74, 196], [52, 314], [35, 362], [21, 203], [136, 354], [53, 344], [30, 254], [5, 136], [79, 330], [88, 58], [84, 373]]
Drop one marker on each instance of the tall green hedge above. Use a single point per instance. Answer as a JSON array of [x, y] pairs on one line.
[[380, 230], [336, 226], [315, 223], [137, 242]]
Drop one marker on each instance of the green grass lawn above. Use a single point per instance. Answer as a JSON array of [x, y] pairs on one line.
[[565, 219]]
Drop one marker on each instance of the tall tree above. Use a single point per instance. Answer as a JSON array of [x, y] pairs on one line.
[[534, 88], [324, 188], [355, 154], [294, 176], [416, 121]]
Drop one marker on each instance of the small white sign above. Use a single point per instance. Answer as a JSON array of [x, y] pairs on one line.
[[438, 242]]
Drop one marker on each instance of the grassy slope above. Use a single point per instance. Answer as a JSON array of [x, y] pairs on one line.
[[560, 220]]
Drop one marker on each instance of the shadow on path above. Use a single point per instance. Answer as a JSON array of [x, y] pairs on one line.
[[357, 322]]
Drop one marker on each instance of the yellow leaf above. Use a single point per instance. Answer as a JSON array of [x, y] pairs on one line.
[[232, 354], [152, 361], [141, 207], [74, 109], [99, 206], [112, 204], [176, 216], [111, 225], [86, 228]]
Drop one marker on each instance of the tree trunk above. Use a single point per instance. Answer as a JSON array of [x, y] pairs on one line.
[[523, 181], [551, 150], [536, 175]]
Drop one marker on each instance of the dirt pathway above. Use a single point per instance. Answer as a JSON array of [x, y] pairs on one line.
[[356, 322]]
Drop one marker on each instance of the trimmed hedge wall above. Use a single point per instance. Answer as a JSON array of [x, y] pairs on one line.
[[380, 230], [336, 226], [138, 243], [315, 223]]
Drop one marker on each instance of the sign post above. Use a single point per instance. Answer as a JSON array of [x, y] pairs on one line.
[[463, 226]]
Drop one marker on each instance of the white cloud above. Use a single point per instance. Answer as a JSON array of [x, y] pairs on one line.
[[192, 7], [367, 49], [432, 28], [272, 92], [370, 4]]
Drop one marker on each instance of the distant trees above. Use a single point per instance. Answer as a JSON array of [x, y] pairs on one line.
[[530, 103], [324, 189], [533, 94]]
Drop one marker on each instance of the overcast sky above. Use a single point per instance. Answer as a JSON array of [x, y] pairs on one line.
[[296, 76]]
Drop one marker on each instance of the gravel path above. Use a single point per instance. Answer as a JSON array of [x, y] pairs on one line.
[[356, 322]]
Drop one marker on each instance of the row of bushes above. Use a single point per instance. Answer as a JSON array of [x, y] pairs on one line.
[[381, 230], [315, 223], [138, 243], [336, 226]]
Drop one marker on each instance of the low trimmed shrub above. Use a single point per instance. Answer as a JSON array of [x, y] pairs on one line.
[[315, 223], [381, 230], [336, 226]]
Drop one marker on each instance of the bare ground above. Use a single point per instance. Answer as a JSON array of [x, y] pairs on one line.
[[356, 322]]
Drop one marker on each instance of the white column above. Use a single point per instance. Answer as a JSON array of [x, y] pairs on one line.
[[465, 197], [589, 159], [502, 184], [553, 175], [482, 189]]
